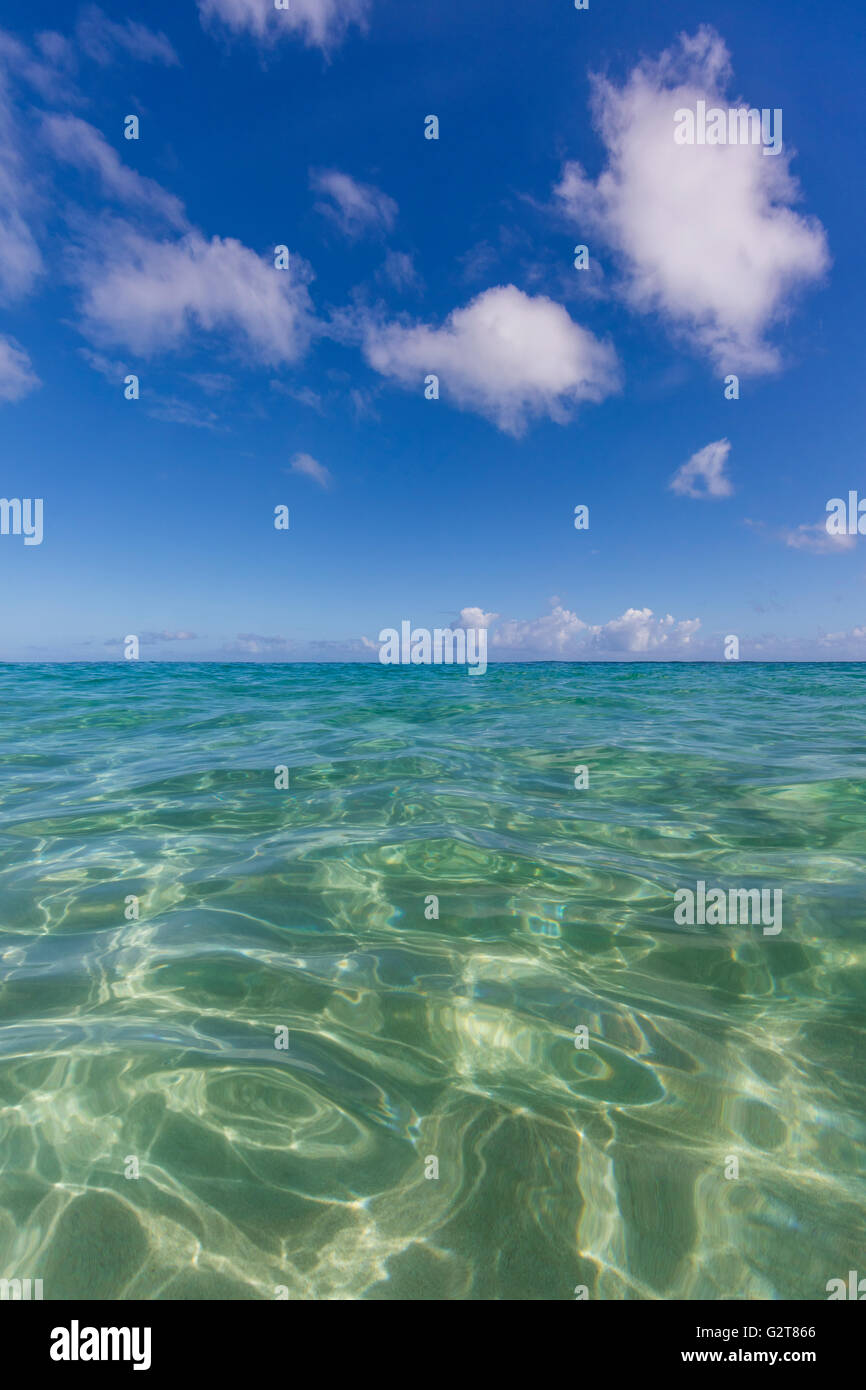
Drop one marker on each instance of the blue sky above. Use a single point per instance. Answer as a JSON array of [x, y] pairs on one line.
[[409, 256]]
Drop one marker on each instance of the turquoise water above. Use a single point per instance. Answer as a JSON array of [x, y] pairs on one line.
[[412, 1038]]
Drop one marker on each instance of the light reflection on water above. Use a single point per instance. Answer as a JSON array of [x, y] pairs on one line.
[[412, 1037]]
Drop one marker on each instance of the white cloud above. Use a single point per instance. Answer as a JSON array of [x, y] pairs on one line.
[[319, 23], [555, 634], [818, 539], [17, 377], [308, 467], [82, 145], [358, 209], [151, 295], [704, 473], [638, 631], [475, 618], [101, 39], [706, 234], [562, 634], [506, 355]]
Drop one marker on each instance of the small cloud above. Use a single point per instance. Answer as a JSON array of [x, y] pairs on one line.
[[358, 209], [478, 261], [399, 270], [704, 473], [17, 377], [304, 395], [177, 412], [817, 539], [252, 643], [475, 618], [362, 404], [319, 23], [102, 39], [110, 368], [309, 467], [212, 383]]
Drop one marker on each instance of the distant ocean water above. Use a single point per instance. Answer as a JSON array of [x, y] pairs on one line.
[[412, 1038]]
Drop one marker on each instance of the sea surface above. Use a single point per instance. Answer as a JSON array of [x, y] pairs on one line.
[[420, 1044]]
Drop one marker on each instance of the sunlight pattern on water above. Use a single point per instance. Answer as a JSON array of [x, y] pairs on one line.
[[412, 1037]]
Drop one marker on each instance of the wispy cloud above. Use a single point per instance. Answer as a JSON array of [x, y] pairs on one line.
[[20, 257], [704, 473], [398, 270], [76, 142], [318, 23], [818, 539], [175, 411], [17, 377], [813, 537], [308, 467], [358, 209], [102, 39]]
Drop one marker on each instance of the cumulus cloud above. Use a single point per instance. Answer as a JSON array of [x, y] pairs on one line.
[[639, 631], [308, 467], [555, 634], [318, 23], [102, 39], [358, 209], [562, 635], [704, 473], [706, 234], [506, 355], [475, 618], [150, 295], [76, 142], [17, 377]]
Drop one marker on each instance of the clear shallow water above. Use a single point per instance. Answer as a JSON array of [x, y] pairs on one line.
[[412, 1037]]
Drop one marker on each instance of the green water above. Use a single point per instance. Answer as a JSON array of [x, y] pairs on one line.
[[412, 1038]]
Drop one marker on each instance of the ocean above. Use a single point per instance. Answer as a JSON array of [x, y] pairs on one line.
[[413, 1018]]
